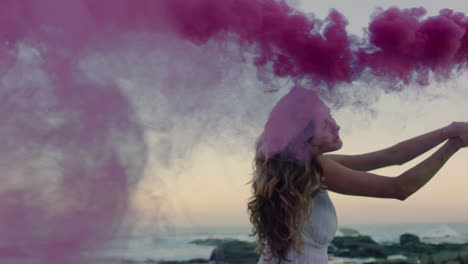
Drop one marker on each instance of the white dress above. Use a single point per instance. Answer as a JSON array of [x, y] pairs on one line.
[[316, 241]]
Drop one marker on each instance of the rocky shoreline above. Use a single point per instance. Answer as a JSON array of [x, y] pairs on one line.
[[353, 248]]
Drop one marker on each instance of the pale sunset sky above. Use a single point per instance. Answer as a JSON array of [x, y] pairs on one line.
[[213, 190]]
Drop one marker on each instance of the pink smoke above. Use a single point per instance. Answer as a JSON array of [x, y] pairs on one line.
[[402, 45], [72, 150], [409, 47]]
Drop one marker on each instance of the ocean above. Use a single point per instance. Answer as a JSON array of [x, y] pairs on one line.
[[174, 243]]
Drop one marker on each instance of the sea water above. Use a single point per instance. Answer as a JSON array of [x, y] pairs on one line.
[[174, 243]]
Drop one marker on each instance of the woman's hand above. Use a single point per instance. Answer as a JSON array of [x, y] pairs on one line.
[[459, 130]]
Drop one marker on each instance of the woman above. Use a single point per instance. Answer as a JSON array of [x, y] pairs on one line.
[[292, 215]]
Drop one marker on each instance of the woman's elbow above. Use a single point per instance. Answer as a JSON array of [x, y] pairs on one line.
[[401, 196], [401, 191]]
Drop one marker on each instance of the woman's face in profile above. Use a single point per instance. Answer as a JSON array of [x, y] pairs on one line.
[[328, 138]]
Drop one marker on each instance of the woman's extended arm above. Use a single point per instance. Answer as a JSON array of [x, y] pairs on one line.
[[344, 180], [397, 154], [415, 178]]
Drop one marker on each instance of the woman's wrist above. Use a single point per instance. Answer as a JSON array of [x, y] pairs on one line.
[[450, 131]]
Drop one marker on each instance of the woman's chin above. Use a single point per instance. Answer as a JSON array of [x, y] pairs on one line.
[[334, 147], [331, 146], [338, 144]]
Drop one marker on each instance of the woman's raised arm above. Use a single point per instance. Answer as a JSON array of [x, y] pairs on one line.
[[401, 152], [344, 180]]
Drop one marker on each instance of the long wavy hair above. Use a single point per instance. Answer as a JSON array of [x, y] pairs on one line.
[[283, 189]]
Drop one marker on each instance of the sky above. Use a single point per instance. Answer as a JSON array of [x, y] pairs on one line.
[[211, 189]]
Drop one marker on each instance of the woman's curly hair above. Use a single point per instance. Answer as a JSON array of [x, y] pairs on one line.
[[283, 191]]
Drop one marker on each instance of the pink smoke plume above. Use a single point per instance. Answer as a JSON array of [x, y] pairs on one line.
[[402, 45], [72, 150]]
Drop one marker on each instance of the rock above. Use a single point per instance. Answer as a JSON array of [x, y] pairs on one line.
[[198, 261], [446, 257], [409, 239], [209, 241], [332, 249], [410, 247], [452, 257], [192, 261], [357, 247], [362, 251], [217, 254], [450, 247], [463, 256], [346, 241], [235, 252], [410, 250], [349, 231]]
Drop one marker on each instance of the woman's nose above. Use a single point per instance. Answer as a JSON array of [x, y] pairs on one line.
[[337, 128]]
